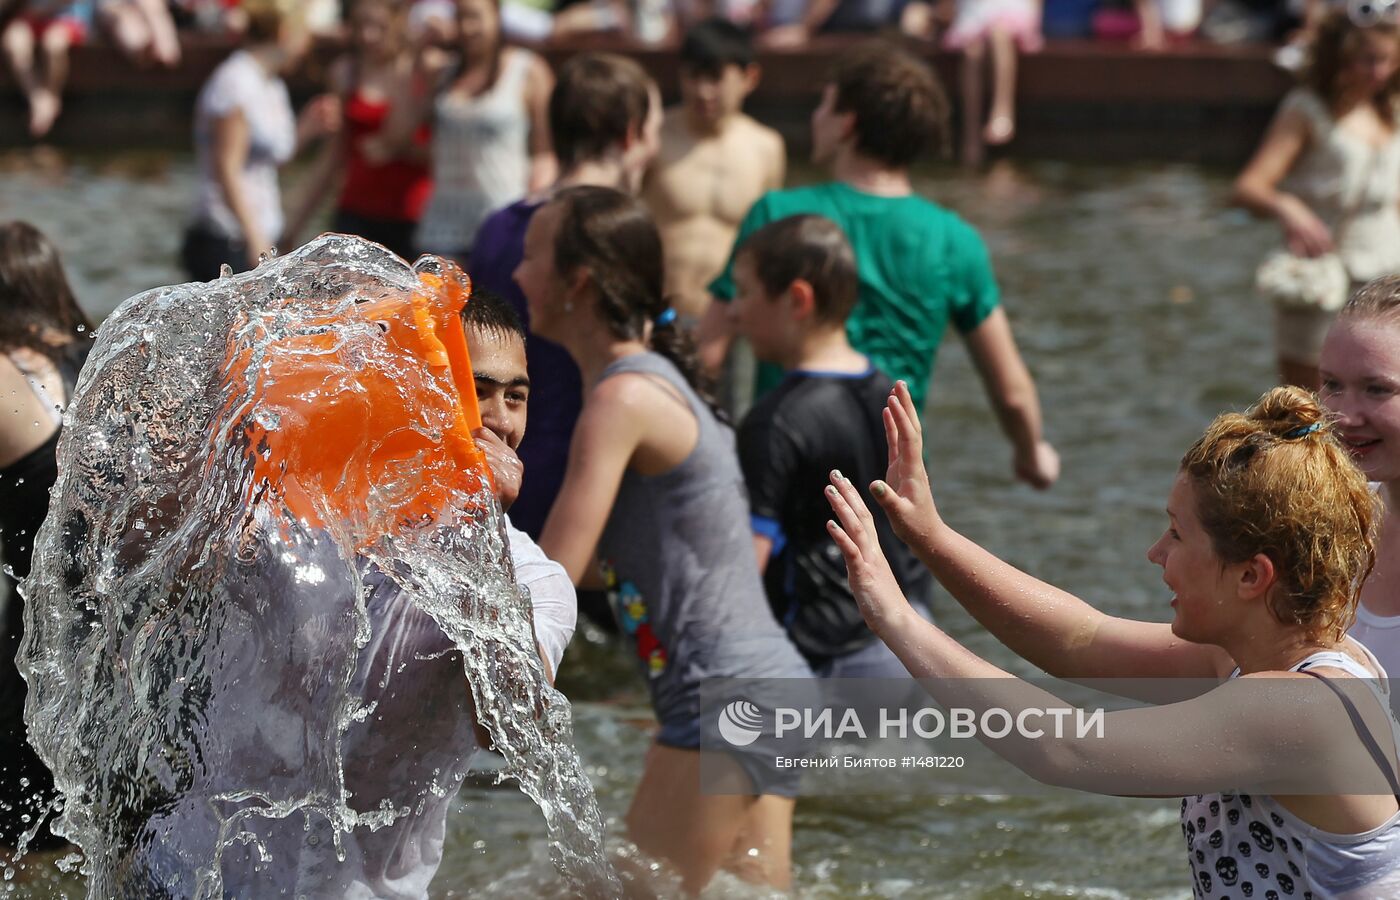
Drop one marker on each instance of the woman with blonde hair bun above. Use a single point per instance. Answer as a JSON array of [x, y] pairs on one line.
[[1283, 742]]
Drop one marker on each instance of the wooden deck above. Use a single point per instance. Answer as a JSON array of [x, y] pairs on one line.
[[1079, 100]]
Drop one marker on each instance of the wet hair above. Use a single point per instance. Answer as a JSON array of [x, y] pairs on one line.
[[598, 101], [812, 248], [900, 108], [1336, 40], [1275, 480], [37, 308], [1378, 299], [612, 235], [711, 45], [488, 311]]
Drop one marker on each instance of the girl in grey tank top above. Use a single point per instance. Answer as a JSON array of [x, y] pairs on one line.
[[654, 493]]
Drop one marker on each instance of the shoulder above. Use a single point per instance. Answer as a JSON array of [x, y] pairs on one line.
[[754, 130], [536, 70], [1304, 107]]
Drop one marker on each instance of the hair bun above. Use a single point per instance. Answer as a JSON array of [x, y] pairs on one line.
[[1289, 413]]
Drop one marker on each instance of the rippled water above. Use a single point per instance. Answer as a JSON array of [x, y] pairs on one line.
[[1129, 292]]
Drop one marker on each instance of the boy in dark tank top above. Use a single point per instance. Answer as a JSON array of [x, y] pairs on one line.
[[796, 284]]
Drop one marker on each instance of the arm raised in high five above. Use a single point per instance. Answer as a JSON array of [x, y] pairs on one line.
[[1049, 627]]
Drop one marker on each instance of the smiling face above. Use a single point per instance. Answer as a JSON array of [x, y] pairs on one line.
[[478, 26], [1360, 369], [545, 292], [502, 382], [1200, 583], [1373, 60], [373, 29]]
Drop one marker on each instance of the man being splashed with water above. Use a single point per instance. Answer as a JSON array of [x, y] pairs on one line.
[[281, 598]]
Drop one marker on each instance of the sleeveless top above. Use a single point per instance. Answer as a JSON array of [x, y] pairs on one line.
[[396, 191], [1240, 845], [481, 157], [26, 785], [678, 559], [1351, 186]]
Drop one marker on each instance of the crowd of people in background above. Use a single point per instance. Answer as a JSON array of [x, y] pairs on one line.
[[635, 249], [38, 35]]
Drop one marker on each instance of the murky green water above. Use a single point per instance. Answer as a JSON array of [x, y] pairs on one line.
[[1129, 291]]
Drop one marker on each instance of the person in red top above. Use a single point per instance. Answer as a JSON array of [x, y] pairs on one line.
[[378, 201]]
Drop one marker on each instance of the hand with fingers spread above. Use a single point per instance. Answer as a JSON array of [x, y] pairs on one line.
[[882, 602], [905, 494]]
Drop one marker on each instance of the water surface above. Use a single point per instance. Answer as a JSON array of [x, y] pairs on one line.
[[1129, 290]]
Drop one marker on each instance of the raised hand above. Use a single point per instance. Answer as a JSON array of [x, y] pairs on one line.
[[877, 593], [904, 494], [506, 468]]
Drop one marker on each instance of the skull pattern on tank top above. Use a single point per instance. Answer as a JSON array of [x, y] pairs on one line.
[[1248, 847]]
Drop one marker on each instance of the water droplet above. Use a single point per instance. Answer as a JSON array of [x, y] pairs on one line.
[[225, 271], [82, 328]]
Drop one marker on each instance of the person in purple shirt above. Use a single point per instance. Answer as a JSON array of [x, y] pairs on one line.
[[605, 118]]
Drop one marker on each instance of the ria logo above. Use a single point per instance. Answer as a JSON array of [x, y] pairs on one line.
[[740, 723]]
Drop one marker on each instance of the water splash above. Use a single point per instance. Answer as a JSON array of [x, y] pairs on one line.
[[271, 556]]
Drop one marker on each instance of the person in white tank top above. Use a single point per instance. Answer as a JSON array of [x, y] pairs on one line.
[[1360, 372], [489, 118], [1282, 742]]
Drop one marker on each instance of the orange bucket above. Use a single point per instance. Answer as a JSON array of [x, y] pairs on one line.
[[366, 414]]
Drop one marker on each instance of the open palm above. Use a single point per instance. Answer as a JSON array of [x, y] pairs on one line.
[[905, 494]]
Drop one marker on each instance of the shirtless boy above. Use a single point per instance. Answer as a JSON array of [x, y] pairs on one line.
[[715, 162]]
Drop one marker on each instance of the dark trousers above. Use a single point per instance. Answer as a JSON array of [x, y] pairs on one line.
[[396, 235], [204, 252]]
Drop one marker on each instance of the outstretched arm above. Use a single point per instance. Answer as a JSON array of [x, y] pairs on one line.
[[1245, 734], [1051, 628]]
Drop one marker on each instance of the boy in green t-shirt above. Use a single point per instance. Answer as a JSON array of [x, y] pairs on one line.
[[921, 266]]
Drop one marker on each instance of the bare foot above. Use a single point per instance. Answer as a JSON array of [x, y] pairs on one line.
[[1000, 130], [44, 107]]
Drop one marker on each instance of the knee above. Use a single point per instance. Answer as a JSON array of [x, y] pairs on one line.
[[18, 39], [56, 42]]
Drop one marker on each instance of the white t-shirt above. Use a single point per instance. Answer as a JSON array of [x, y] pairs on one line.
[[241, 84]]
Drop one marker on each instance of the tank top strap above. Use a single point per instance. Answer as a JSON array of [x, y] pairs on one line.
[[52, 408], [657, 366], [513, 70]]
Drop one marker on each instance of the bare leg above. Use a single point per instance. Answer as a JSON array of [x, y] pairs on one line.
[[125, 25], [1304, 375], [972, 76], [1001, 120], [165, 40], [47, 102], [18, 41], [763, 852], [697, 833]]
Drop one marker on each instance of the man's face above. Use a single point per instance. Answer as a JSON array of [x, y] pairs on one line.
[[502, 382], [713, 97]]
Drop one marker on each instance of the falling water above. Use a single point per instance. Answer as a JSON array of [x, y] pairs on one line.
[[271, 555]]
